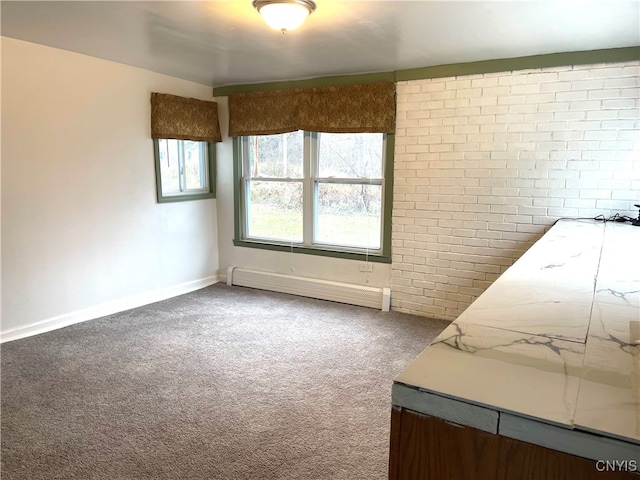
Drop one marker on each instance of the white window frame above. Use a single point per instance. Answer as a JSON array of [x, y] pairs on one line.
[[310, 182]]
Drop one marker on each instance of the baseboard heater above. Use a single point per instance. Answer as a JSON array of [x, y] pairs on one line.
[[311, 287]]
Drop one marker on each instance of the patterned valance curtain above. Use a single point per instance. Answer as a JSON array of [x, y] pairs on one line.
[[344, 109], [183, 118]]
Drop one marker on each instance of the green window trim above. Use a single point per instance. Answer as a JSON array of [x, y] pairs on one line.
[[608, 55], [385, 251], [211, 172]]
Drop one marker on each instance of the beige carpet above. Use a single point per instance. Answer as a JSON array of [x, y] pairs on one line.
[[222, 383]]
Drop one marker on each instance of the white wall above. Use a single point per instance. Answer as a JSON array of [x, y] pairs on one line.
[[484, 164], [325, 268], [82, 233]]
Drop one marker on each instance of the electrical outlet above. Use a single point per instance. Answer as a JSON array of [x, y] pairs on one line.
[[366, 267]]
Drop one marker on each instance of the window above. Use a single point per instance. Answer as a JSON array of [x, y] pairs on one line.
[[318, 193], [184, 170]]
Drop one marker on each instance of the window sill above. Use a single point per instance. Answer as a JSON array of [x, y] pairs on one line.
[[185, 198], [321, 251]]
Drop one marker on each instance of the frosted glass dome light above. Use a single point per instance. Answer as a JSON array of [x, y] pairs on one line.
[[284, 15]]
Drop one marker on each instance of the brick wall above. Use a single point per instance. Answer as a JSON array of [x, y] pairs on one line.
[[484, 164]]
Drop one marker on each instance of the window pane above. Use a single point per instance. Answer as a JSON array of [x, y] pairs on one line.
[[169, 166], [195, 165], [274, 210], [349, 215], [277, 156], [350, 155]]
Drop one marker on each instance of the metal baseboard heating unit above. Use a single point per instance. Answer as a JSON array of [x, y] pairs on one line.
[[311, 287]]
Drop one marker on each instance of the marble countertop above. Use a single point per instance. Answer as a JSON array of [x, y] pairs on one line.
[[556, 339]]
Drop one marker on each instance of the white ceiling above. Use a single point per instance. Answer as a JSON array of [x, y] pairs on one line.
[[220, 43]]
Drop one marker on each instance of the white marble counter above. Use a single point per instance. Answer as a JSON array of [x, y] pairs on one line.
[[553, 343]]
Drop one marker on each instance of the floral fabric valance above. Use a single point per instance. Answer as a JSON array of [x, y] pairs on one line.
[[344, 109], [183, 118]]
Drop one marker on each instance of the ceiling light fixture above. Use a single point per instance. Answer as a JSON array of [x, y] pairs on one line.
[[284, 15]]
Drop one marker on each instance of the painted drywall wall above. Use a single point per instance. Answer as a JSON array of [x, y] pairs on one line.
[[484, 164], [325, 268], [82, 232]]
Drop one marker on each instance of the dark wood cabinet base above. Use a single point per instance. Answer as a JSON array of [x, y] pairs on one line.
[[425, 447]]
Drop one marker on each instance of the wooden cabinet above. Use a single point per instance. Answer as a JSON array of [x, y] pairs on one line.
[[429, 448]]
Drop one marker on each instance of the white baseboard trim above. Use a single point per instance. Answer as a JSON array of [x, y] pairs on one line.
[[104, 309]]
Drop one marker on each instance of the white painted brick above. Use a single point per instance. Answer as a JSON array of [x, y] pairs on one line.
[[596, 174], [613, 205], [416, 97], [605, 94], [417, 148], [600, 135], [460, 138], [467, 111], [516, 78], [602, 115], [584, 144], [605, 71], [444, 112], [578, 160], [503, 209], [585, 105], [526, 108], [432, 105], [624, 103], [554, 126], [484, 81], [579, 203], [458, 84], [541, 98], [417, 115], [430, 122], [571, 96], [585, 213], [455, 121], [633, 135], [489, 128], [583, 182], [443, 95], [466, 129], [553, 107], [568, 116], [563, 193], [597, 194], [568, 135], [622, 195], [591, 84], [618, 145], [500, 91], [542, 77], [618, 124], [495, 109], [521, 127], [630, 93], [531, 211], [586, 125], [512, 100], [550, 183], [468, 93], [433, 86], [579, 74], [555, 87]]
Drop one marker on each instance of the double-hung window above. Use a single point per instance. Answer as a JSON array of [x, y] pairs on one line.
[[318, 193]]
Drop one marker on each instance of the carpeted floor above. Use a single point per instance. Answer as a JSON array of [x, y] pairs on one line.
[[222, 383]]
